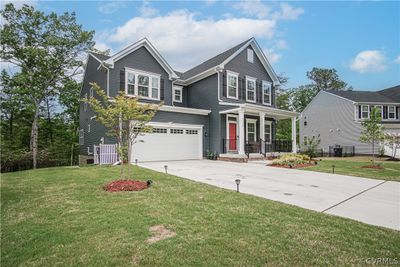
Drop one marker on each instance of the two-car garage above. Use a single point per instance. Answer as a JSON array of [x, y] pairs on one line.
[[169, 141]]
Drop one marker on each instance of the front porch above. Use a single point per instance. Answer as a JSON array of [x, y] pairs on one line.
[[250, 132]]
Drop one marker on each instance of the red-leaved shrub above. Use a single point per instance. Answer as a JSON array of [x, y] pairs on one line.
[[125, 185]]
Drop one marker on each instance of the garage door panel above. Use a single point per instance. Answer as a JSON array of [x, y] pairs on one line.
[[175, 144]]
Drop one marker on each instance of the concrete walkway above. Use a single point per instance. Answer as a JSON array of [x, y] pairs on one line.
[[367, 200]]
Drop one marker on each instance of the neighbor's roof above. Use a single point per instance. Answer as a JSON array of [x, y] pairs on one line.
[[100, 56], [389, 95], [212, 62]]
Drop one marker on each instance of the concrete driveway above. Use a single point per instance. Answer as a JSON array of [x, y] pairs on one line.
[[367, 200]]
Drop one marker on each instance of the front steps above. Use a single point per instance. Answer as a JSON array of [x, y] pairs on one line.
[[252, 157]]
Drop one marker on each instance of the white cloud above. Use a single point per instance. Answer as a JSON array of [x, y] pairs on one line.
[[147, 11], [397, 60], [210, 2], [369, 61], [185, 40], [110, 7], [272, 56], [281, 44], [260, 10]]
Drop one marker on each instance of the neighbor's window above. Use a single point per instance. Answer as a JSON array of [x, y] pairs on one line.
[[267, 132], [380, 111], [178, 94], [266, 89], [392, 112], [81, 137], [232, 82], [364, 112], [142, 84], [88, 128], [250, 55], [250, 89]]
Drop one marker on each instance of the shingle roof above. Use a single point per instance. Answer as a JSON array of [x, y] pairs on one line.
[[100, 56], [390, 95], [210, 63]]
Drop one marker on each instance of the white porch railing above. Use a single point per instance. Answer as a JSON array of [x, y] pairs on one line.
[[105, 154]]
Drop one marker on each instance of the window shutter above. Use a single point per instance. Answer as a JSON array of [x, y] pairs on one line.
[[240, 93], [244, 88], [224, 84], [122, 80], [260, 93], [397, 112], [359, 111], [385, 112], [162, 90]]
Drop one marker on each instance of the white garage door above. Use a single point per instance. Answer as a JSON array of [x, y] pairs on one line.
[[169, 142]]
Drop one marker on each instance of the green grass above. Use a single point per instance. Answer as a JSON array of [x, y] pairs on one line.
[[61, 216], [353, 166]]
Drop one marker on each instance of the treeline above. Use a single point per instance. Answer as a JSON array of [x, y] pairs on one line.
[[45, 55]]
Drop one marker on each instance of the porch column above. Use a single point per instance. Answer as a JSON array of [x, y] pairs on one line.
[[241, 132], [262, 130], [294, 135]]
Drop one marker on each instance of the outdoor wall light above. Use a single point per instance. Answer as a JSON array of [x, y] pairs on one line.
[[237, 181], [166, 168], [333, 168]]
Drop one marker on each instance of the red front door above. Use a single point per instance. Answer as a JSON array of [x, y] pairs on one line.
[[232, 136]]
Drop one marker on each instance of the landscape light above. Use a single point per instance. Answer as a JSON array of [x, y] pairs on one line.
[[333, 168], [237, 181], [136, 161], [166, 168]]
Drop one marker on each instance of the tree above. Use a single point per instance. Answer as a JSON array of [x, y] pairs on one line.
[[326, 79], [47, 50], [393, 141], [124, 117], [372, 130], [310, 145], [301, 96]]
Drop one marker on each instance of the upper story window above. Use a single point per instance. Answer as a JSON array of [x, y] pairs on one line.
[[250, 89], [364, 112], [266, 92], [250, 55], [177, 94], [391, 112], [143, 84], [232, 85]]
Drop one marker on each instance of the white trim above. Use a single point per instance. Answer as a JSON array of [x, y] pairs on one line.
[[227, 125], [270, 92], [258, 108], [338, 96], [395, 111], [88, 127], [150, 75], [194, 111], [270, 131], [251, 79], [253, 121], [90, 53], [236, 75], [177, 88], [147, 44]]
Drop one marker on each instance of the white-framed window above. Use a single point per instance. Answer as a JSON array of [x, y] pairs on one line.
[[250, 55], [177, 94], [176, 131], [143, 84], [91, 92], [88, 128], [266, 92], [159, 130], [191, 132], [85, 103], [81, 136], [380, 110], [364, 112], [250, 89], [232, 85], [267, 132], [251, 130], [391, 112]]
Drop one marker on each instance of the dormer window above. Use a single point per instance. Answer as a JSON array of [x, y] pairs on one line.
[[143, 84], [266, 92], [250, 55]]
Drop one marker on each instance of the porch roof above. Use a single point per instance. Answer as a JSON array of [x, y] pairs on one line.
[[276, 113]]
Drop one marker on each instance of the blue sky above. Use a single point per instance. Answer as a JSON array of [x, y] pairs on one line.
[[359, 39]]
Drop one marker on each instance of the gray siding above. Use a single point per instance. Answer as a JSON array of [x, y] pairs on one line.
[[332, 118], [140, 59], [256, 70], [97, 131]]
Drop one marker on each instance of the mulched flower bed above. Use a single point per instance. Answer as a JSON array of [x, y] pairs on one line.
[[294, 166], [377, 167], [125, 185]]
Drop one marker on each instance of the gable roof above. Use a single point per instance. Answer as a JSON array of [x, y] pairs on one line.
[[390, 95], [152, 50], [219, 61], [99, 57]]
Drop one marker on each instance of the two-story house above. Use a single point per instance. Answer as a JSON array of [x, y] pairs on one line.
[[224, 105], [336, 116]]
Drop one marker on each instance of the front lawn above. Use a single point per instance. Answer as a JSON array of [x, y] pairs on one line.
[[62, 216], [353, 166]]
